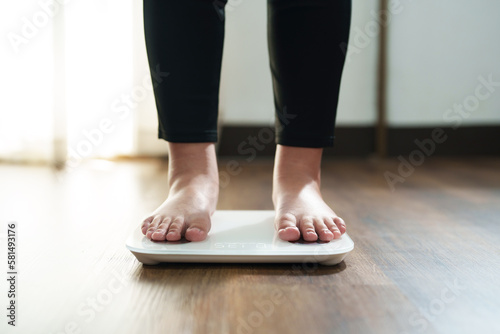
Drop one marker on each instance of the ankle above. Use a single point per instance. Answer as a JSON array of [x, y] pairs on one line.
[[192, 164], [293, 161], [296, 169], [297, 165], [294, 183]]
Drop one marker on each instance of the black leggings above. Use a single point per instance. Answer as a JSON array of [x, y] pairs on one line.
[[306, 42]]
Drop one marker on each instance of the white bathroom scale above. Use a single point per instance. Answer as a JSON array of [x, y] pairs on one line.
[[240, 236]]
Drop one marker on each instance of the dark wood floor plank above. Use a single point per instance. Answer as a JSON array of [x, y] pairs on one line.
[[426, 257]]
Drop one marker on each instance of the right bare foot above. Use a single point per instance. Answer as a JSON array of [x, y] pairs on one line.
[[192, 197]]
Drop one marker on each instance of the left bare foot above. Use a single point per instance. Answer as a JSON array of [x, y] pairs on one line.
[[300, 208]]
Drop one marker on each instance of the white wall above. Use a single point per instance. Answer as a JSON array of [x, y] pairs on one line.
[[358, 92], [437, 51], [246, 91], [246, 87]]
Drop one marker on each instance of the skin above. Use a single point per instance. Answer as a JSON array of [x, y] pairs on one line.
[[192, 198], [300, 208], [194, 189]]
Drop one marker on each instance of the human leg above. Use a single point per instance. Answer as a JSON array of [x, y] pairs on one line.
[[185, 39], [306, 63]]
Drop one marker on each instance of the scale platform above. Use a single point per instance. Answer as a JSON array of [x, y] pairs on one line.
[[240, 236]]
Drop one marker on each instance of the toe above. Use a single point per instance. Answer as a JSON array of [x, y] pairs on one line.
[[175, 229], [333, 227], [161, 230], [340, 224], [145, 224], [307, 229], [152, 227], [322, 230], [287, 227], [197, 228]]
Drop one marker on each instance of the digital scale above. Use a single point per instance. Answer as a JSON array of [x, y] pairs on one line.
[[240, 236]]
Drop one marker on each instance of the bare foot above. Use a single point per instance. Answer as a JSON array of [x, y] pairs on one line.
[[192, 198], [300, 208]]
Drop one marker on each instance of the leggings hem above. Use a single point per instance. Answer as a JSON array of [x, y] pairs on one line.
[[209, 137]]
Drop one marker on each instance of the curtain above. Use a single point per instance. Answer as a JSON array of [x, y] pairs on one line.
[[75, 82]]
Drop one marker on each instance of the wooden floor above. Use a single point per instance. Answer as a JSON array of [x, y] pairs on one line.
[[426, 256]]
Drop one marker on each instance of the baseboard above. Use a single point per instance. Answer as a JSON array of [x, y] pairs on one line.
[[465, 140], [360, 141]]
